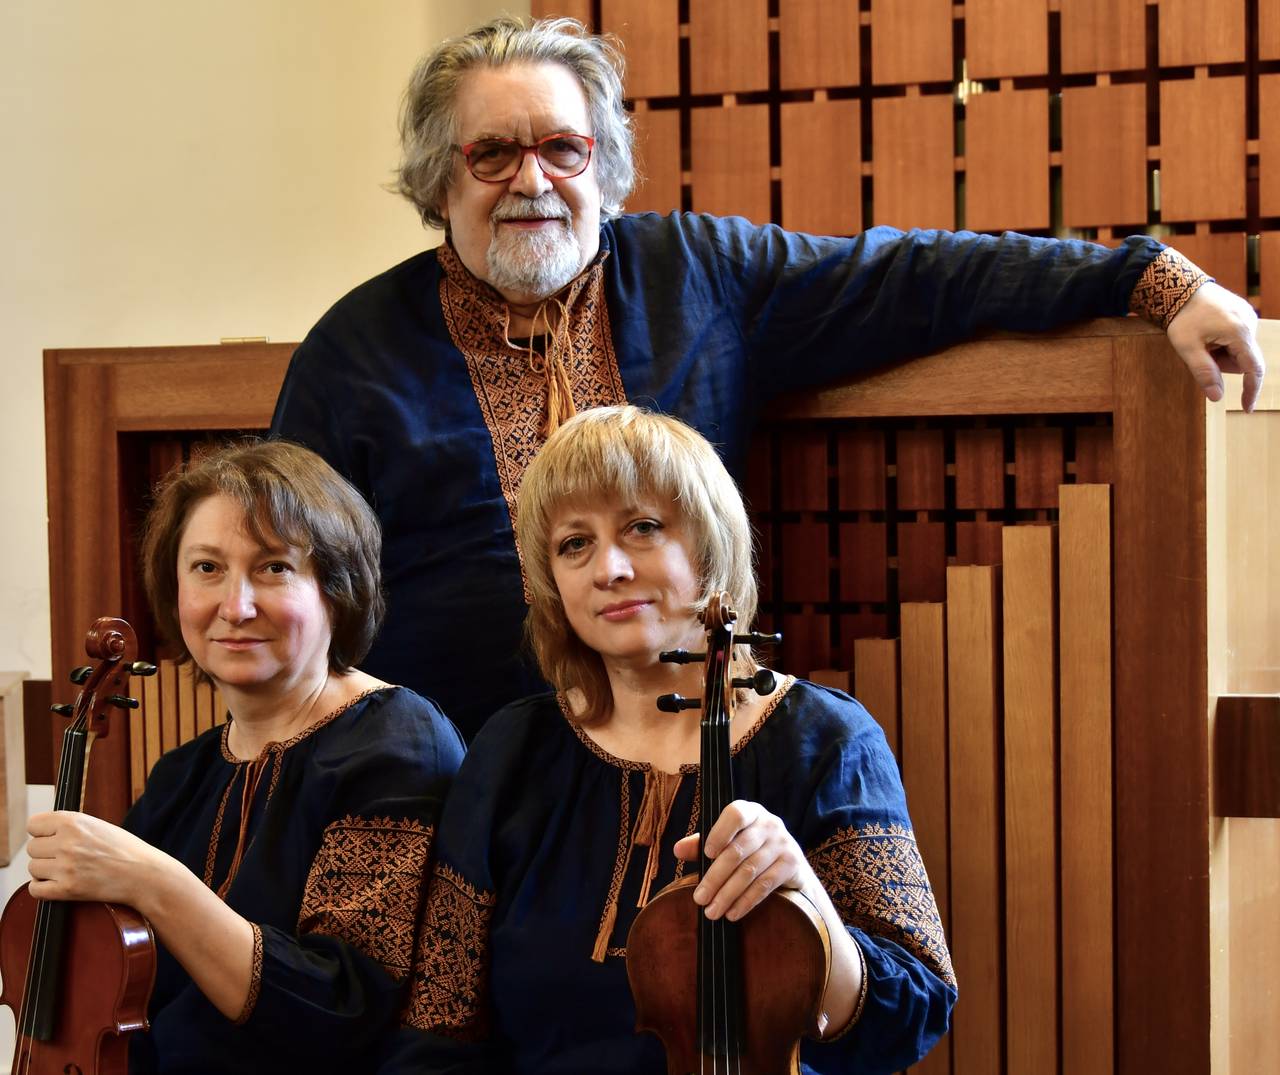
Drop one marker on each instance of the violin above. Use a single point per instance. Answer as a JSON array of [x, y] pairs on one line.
[[732, 998], [78, 975]]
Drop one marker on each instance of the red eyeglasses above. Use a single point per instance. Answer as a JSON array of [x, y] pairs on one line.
[[560, 156]]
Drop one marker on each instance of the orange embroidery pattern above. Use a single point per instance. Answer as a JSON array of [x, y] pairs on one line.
[[878, 883], [513, 397], [450, 967], [365, 885], [255, 977], [1164, 288]]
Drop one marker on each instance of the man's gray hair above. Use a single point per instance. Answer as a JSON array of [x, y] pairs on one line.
[[428, 122]]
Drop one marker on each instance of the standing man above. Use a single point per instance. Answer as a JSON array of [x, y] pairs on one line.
[[432, 385]]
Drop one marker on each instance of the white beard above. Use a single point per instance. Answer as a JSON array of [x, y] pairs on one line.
[[534, 263]]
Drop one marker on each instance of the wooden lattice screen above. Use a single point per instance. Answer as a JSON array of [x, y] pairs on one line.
[[1091, 117]]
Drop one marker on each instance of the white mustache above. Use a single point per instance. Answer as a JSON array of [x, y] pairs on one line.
[[549, 206]]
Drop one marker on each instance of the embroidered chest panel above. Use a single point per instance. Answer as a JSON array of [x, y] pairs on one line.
[[512, 389]]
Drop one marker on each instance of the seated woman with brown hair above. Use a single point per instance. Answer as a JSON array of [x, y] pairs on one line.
[[572, 809], [279, 856]]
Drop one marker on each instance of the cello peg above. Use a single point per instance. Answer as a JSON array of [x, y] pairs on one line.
[[673, 703], [681, 656], [81, 674], [142, 668], [66, 709], [123, 701], [762, 682], [757, 639]]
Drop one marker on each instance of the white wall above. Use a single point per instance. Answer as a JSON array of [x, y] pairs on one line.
[[174, 173]]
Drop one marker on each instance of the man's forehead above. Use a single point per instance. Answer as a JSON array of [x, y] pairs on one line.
[[520, 100]]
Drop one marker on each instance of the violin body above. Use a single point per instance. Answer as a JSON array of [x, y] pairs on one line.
[[115, 954], [783, 971]]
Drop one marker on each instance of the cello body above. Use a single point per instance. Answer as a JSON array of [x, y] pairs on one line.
[[115, 959]]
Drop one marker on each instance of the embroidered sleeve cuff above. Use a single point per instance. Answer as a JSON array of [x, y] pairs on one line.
[[1164, 288], [255, 977]]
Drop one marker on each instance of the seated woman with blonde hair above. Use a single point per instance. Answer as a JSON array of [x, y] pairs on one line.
[[279, 856], [573, 808]]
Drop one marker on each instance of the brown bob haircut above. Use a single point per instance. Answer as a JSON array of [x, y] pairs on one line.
[[288, 494], [628, 454]]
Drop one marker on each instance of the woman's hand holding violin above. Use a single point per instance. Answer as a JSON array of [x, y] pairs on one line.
[[76, 856], [752, 856]]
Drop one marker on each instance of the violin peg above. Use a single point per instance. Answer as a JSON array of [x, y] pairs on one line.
[[81, 674], [757, 639], [123, 701], [762, 682], [673, 703], [681, 656], [142, 668], [66, 709]]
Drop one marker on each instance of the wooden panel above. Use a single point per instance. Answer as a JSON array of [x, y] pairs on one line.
[[168, 676], [1269, 144], [921, 469], [1031, 889], [860, 481], [731, 161], [924, 761], [1253, 522], [817, 43], [1104, 155], [1254, 943], [863, 562], [806, 642], [805, 570], [1269, 29], [1037, 465], [137, 739], [13, 779], [821, 167], [152, 739], [574, 9], [1222, 255], [1161, 695], [1195, 32], [1269, 257], [973, 726], [1006, 37], [1007, 160], [729, 46], [979, 468], [1246, 756], [913, 161], [1093, 454], [1202, 149], [650, 32], [802, 470], [875, 681], [657, 161], [186, 703], [1103, 35], [979, 542], [922, 561], [1084, 576], [911, 41]]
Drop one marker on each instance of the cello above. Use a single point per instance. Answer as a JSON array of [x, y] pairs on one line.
[[78, 975], [729, 998]]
